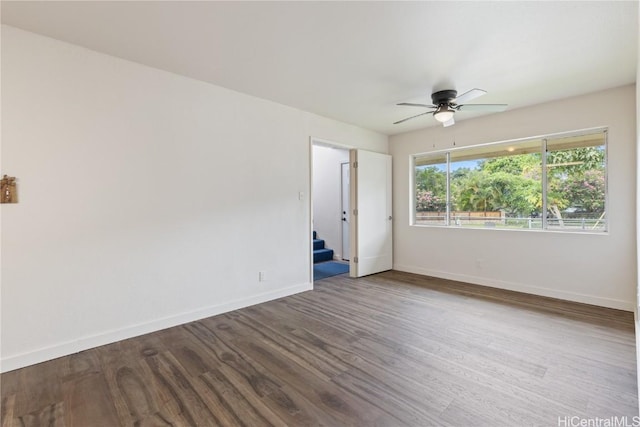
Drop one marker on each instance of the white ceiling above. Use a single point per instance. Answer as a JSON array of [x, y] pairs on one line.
[[353, 61]]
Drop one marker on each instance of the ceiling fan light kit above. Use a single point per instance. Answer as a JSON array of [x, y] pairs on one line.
[[447, 102], [443, 114]]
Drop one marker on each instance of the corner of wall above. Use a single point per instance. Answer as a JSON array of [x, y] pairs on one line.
[[637, 305]]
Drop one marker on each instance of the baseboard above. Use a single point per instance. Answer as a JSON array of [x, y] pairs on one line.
[[520, 287], [84, 343]]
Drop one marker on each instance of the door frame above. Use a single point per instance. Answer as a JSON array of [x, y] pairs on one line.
[[346, 250], [325, 143]]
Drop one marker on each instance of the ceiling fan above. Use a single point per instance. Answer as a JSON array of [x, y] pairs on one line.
[[447, 102]]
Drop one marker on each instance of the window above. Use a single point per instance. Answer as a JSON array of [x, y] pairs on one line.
[[552, 183], [431, 190]]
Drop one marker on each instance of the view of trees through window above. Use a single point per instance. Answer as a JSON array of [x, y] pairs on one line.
[[503, 185]]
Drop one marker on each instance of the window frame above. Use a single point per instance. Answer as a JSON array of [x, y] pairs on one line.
[[543, 141]]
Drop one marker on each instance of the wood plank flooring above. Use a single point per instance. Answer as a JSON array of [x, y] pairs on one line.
[[393, 349]]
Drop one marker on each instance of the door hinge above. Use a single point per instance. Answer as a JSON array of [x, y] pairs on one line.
[[355, 259], [355, 212], [355, 165]]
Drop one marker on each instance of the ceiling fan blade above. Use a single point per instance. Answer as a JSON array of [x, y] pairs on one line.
[[469, 95], [417, 105], [412, 117], [482, 107]]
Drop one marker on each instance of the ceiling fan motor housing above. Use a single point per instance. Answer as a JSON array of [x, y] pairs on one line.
[[443, 97]]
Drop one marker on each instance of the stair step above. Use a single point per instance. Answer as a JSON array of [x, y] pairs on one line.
[[318, 244], [321, 255]]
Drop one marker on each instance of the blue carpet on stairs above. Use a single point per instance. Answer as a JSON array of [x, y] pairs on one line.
[[328, 269]]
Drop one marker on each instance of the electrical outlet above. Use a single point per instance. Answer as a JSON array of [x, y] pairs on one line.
[[262, 276]]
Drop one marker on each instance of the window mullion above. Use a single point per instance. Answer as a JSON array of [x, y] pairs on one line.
[[606, 180], [448, 204], [544, 184]]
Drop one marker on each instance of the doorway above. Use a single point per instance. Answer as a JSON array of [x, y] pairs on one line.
[[357, 227], [330, 208]]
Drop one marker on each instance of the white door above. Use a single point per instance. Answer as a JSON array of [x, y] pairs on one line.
[[371, 221], [345, 194]]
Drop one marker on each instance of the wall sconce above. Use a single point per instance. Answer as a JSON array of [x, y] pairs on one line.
[[8, 192]]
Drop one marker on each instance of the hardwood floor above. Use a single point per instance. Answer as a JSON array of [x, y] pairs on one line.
[[392, 349]]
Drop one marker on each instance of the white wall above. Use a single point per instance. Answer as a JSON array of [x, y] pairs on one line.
[[147, 199], [591, 268], [327, 195]]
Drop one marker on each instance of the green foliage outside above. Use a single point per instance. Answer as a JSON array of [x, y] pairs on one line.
[[431, 189], [576, 179], [513, 184]]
